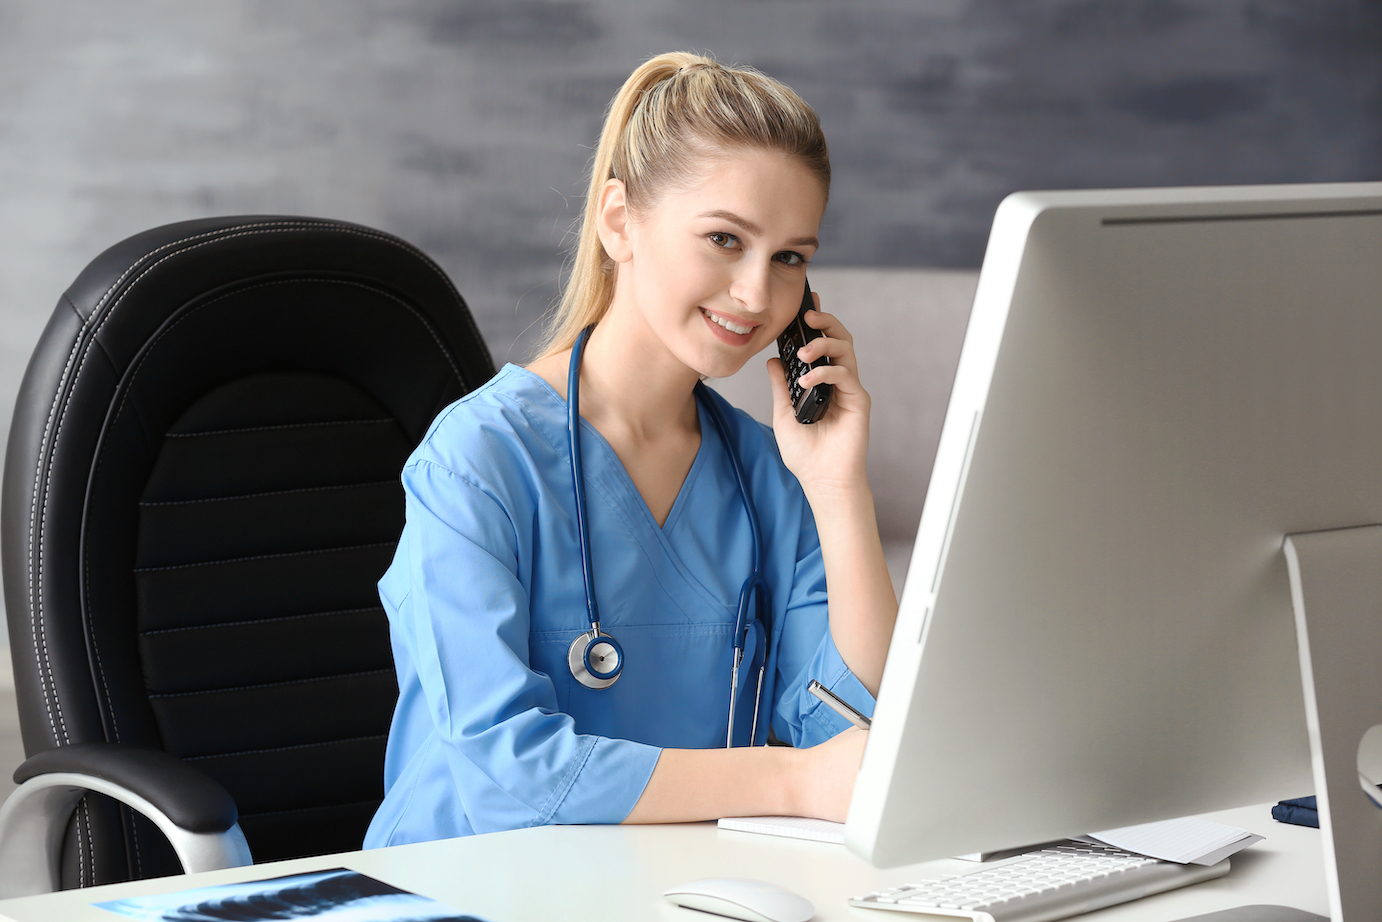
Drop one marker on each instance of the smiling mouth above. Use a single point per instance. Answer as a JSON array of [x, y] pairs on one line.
[[727, 323]]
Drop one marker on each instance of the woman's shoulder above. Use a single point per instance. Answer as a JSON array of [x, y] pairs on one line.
[[513, 418]]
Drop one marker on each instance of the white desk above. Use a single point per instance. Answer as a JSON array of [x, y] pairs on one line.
[[612, 873]]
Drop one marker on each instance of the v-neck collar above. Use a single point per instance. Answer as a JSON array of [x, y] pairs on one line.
[[611, 479], [591, 437], [708, 432]]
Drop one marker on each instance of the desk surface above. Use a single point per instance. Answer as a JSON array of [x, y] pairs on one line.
[[612, 873]]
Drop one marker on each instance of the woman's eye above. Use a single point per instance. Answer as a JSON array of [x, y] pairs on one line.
[[723, 240], [792, 259]]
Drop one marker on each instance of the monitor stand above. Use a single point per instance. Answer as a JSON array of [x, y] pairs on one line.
[[1336, 591]]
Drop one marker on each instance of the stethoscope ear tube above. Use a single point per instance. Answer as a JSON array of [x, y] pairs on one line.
[[760, 650], [756, 667], [755, 589]]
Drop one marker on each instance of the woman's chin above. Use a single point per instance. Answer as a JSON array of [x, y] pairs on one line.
[[719, 366]]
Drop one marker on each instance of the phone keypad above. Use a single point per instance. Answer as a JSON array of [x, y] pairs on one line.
[[787, 348]]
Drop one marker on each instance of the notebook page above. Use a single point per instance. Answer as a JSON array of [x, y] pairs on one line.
[[1188, 840], [795, 827]]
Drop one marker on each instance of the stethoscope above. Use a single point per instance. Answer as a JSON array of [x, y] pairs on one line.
[[596, 659]]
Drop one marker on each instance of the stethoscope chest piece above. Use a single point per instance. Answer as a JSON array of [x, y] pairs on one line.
[[596, 659]]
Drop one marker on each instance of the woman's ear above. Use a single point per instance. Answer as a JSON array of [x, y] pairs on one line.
[[613, 222]]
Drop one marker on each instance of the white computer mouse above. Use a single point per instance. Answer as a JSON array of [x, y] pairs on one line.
[[737, 898]]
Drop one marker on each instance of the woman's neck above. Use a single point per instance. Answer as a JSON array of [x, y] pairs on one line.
[[641, 403], [631, 383]]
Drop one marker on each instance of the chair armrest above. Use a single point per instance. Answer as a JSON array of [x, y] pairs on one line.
[[190, 799], [196, 814]]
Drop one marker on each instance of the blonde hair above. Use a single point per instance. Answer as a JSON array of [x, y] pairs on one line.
[[673, 112]]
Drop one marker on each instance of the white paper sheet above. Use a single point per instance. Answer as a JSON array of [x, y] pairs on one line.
[[1188, 840]]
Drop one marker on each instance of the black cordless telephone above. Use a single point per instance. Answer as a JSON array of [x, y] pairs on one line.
[[808, 405]]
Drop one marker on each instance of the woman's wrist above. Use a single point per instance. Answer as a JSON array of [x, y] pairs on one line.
[[795, 793], [822, 777], [833, 498]]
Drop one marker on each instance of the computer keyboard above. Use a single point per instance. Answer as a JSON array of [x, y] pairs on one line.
[[1054, 883]]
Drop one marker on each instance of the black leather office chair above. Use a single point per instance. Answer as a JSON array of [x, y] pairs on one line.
[[200, 492]]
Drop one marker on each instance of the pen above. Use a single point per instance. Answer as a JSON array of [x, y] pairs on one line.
[[839, 705]]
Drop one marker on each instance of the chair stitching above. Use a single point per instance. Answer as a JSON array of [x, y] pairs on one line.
[[86, 577], [134, 834], [83, 836], [250, 230], [239, 688], [216, 563], [37, 527], [222, 499], [220, 624], [105, 312], [338, 422], [286, 225], [253, 752], [82, 346], [441, 347]]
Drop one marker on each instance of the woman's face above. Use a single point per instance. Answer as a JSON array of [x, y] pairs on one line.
[[716, 271]]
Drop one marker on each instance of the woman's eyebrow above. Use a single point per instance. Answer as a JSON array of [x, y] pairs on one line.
[[747, 225]]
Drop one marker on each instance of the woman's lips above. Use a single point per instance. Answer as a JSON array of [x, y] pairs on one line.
[[721, 327]]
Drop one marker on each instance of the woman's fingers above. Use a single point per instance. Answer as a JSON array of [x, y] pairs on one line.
[[828, 324], [828, 346], [836, 344], [838, 375]]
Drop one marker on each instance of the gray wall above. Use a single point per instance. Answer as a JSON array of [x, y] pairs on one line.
[[464, 125]]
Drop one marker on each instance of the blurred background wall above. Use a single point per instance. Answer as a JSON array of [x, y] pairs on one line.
[[465, 125]]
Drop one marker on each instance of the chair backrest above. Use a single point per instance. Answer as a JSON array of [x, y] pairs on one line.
[[201, 490]]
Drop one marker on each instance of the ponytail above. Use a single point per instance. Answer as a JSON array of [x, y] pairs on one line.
[[672, 112]]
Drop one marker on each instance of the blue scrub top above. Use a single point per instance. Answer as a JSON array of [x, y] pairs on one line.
[[485, 595]]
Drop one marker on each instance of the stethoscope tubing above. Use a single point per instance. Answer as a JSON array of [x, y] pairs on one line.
[[573, 421], [754, 589]]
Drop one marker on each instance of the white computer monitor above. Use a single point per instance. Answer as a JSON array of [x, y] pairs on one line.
[[1156, 387]]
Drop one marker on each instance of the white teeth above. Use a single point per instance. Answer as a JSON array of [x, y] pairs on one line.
[[732, 327]]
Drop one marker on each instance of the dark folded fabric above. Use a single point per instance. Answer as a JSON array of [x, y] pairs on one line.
[[1301, 811]]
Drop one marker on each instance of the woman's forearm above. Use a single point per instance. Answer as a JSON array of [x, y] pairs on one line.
[[689, 785], [703, 784], [863, 606]]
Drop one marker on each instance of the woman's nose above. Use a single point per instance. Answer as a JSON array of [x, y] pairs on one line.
[[749, 287]]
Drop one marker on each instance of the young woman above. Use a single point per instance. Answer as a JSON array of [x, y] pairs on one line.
[[515, 708]]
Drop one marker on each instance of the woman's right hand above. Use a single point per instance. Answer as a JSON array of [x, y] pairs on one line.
[[825, 776]]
